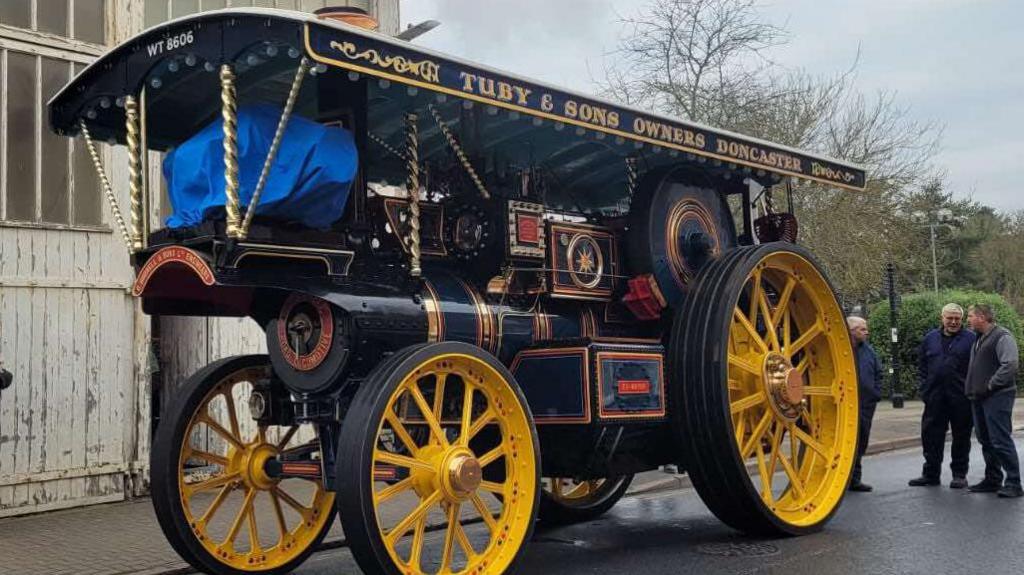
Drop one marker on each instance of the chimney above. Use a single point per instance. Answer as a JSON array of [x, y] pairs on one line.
[[349, 15]]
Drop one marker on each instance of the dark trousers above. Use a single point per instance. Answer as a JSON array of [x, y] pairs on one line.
[[944, 409], [993, 424], [867, 414]]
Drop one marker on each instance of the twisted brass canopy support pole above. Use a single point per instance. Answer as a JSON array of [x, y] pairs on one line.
[[412, 186], [131, 118], [229, 111], [105, 184], [453, 142], [632, 176], [286, 114]]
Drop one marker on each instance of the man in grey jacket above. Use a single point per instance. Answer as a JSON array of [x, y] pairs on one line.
[[991, 387]]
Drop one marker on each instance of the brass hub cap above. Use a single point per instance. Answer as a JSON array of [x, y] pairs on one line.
[[465, 474], [784, 384]]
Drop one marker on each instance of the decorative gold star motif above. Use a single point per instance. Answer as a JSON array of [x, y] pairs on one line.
[[585, 263]]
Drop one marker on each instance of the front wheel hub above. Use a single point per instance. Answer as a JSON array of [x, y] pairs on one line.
[[785, 386]]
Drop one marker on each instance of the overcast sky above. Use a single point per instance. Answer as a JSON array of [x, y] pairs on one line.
[[959, 62]]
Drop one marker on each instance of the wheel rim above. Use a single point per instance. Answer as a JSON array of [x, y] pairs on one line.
[[240, 515], [572, 492], [792, 389], [454, 445]]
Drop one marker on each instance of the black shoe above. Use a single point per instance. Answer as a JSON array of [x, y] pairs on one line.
[[861, 487], [1010, 491], [958, 483], [923, 481], [984, 486]]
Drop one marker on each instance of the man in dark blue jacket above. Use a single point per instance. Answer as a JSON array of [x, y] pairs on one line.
[[869, 390], [942, 362]]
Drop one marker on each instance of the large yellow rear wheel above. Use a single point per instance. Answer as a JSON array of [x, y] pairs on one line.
[[439, 458], [214, 499], [766, 390]]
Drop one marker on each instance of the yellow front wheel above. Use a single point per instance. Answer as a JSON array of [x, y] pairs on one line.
[[439, 458], [766, 390], [214, 499]]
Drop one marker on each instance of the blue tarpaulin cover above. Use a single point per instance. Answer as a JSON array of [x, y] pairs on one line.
[[308, 182]]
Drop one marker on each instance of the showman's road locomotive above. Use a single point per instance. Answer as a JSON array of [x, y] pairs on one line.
[[487, 301]]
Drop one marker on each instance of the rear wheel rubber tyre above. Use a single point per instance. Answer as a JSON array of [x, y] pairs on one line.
[[186, 531], [584, 501], [763, 374], [405, 457]]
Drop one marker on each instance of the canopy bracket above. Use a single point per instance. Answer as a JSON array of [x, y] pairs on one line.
[[412, 186], [282, 124], [105, 184], [229, 113], [459, 153]]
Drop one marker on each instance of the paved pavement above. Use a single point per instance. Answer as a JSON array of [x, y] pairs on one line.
[[124, 538], [896, 530]]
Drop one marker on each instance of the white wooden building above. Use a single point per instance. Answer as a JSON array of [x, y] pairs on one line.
[[75, 427]]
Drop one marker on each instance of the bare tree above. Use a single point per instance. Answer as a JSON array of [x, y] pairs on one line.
[[710, 61]]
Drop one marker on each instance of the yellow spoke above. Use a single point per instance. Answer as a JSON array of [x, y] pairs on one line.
[[449, 537], [818, 390], [787, 331], [229, 399], [773, 337], [794, 478], [404, 525], [254, 532], [756, 292], [401, 432], [418, 532], [491, 456], [485, 513], [581, 490], [734, 385], [776, 446], [428, 414], [236, 525], [801, 367], [467, 412], [401, 460], [282, 526], [440, 378], [741, 428], [493, 487], [747, 402], [804, 339], [209, 484], [762, 469], [287, 436], [755, 337], [745, 365], [809, 441], [485, 418], [467, 547], [393, 490], [784, 297], [302, 509], [219, 430], [217, 502], [207, 456], [756, 435]]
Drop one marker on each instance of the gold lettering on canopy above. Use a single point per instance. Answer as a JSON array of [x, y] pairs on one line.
[[757, 155], [424, 69]]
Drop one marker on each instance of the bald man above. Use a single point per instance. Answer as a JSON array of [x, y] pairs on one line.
[[869, 390]]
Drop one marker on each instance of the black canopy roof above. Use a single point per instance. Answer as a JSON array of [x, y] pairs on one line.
[[176, 63]]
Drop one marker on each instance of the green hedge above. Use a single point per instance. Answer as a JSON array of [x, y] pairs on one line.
[[919, 313]]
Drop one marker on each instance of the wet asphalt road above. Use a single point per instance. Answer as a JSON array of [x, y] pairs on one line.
[[894, 530]]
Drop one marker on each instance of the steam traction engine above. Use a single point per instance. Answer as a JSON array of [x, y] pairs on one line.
[[486, 300]]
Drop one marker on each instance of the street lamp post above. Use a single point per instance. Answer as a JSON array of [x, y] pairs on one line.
[[938, 218]]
